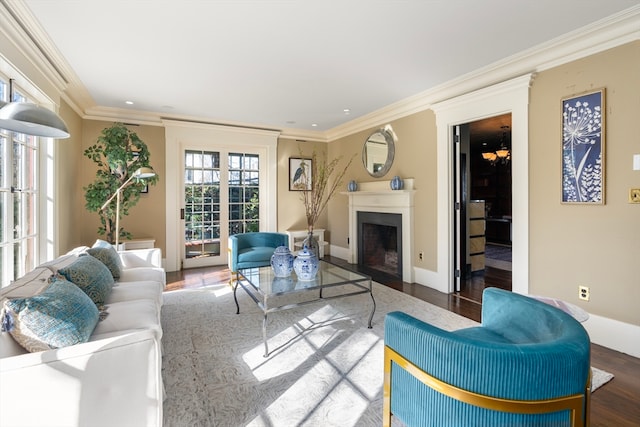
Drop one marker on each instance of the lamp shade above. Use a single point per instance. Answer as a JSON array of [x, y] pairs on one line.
[[31, 119], [144, 172]]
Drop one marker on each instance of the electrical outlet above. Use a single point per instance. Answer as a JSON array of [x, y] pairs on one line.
[[634, 195], [583, 293], [420, 256]]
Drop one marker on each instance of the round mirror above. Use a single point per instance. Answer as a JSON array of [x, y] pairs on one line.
[[378, 152]]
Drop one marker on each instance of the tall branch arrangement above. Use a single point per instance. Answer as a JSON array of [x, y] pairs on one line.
[[316, 199]]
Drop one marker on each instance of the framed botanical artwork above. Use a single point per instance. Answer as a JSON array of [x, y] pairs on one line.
[[583, 148], [300, 174]]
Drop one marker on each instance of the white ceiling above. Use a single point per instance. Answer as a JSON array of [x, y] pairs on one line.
[[287, 64]]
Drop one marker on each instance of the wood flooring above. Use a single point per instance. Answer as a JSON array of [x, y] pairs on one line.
[[617, 403]]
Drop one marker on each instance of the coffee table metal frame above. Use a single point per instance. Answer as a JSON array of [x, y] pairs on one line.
[[264, 288]]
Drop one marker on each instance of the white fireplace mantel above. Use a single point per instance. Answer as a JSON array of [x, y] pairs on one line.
[[378, 197]]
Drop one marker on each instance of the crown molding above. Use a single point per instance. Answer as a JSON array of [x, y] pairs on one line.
[[25, 32], [18, 23], [607, 33], [13, 23]]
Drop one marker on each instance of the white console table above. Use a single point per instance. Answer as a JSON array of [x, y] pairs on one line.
[[296, 237], [141, 243]]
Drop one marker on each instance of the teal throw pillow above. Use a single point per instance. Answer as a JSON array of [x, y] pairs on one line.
[[102, 244], [90, 275], [109, 257], [60, 316]]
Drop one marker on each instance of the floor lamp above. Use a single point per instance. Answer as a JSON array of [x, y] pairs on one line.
[[31, 119], [143, 172]]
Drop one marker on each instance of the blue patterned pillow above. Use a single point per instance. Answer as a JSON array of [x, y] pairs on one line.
[[60, 316], [109, 257], [102, 244], [92, 276]]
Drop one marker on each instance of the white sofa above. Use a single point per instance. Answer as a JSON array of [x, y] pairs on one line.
[[114, 379]]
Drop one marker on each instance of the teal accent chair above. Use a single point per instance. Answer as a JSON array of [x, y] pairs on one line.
[[248, 250], [527, 364]]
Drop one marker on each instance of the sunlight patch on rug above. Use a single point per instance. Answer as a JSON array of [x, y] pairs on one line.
[[324, 366]]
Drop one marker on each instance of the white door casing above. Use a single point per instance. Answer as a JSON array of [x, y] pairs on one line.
[[182, 135], [511, 96]]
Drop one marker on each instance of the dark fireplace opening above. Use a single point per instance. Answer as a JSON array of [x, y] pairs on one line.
[[380, 242]]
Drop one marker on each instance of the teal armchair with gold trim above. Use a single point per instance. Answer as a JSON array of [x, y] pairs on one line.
[[528, 363]]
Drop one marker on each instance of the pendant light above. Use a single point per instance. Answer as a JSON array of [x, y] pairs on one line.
[[31, 119]]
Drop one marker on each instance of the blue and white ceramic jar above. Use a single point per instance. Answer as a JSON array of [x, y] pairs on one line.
[[396, 183], [306, 265], [352, 186], [282, 262]]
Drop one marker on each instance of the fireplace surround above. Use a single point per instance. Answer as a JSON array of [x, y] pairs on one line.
[[378, 197]]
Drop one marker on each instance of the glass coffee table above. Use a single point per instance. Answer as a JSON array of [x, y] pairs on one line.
[[267, 290]]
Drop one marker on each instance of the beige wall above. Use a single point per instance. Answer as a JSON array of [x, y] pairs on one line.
[[570, 245], [415, 157], [596, 246], [147, 218], [70, 202], [290, 207]]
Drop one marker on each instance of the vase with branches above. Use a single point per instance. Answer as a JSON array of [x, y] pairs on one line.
[[322, 188], [118, 153]]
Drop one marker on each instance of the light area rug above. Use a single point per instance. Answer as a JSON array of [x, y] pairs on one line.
[[324, 367]]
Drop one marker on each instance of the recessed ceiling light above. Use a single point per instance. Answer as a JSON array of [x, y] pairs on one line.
[[347, 111], [128, 102], [315, 125]]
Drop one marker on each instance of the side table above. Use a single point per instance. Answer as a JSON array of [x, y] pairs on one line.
[[296, 237]]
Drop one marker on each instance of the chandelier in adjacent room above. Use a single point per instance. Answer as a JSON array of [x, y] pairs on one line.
[[501, 155]]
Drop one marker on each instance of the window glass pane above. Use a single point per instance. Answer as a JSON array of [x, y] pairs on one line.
[[17, 215], [235, 194], [202, 198], [29, 214], [3, 203], [244, 181], [3, 158]]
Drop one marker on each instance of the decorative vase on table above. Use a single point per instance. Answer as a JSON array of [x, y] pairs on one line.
[[306, 265], [397, 183], [311, 243], [282, 262]]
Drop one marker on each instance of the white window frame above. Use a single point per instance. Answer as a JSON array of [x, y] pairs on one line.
[[45, 218]]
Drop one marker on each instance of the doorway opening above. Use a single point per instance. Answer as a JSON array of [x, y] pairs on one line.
[[484, 184]]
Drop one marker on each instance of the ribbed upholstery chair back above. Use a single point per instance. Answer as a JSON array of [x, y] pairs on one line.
[[528, 363]]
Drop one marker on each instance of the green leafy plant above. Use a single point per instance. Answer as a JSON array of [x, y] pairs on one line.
[[118, 153]]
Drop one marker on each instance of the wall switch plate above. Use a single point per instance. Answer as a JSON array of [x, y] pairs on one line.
[[634, 195]]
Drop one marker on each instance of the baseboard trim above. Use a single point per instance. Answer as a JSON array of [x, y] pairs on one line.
[[613, 334], [610, 333]]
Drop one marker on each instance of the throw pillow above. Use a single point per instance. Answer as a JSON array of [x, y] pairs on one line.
[[102, 244], [60, 316], [109, 257], [92, 276]]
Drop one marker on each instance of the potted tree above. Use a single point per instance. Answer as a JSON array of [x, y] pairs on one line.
[[118, 153]]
